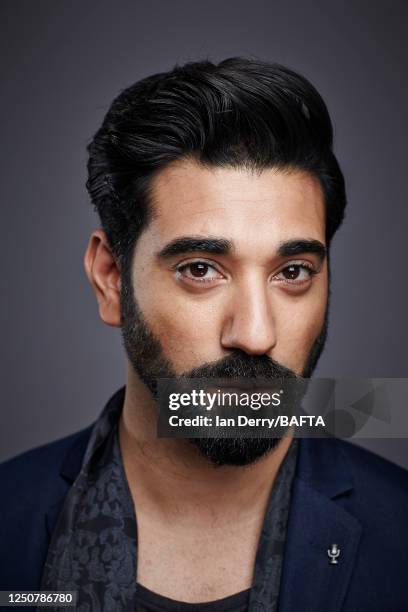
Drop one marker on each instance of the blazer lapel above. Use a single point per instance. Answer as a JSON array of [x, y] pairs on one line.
[[69, 470], [316, 522]]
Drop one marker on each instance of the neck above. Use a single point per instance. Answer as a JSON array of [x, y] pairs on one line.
[[170, 474]]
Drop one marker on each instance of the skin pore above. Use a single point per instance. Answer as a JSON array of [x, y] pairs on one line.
[[259, 285]]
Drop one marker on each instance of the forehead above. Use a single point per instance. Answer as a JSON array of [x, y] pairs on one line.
[[247, 207]]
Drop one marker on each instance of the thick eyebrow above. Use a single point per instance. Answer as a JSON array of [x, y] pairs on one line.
[[297, 247], [189, 244], [222, 246]]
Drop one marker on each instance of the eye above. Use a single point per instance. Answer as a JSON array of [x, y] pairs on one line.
[[198, 272], [296, 273]]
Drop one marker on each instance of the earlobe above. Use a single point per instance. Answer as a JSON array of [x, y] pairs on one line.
[[104, 276]]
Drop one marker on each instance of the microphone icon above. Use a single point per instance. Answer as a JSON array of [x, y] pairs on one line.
[[333, 554]]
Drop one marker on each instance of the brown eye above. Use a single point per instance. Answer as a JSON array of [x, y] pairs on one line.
[[198, 269], [198, 272], [291, 272], [295, 274]]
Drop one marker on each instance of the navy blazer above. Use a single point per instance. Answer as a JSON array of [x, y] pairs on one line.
[[342, 495]]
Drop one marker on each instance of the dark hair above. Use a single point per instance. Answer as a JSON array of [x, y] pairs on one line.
[[237, 113]]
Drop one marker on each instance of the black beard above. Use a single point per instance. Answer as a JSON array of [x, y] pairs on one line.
[[145, 353]]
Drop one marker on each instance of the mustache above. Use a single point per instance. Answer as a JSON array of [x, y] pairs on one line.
[[241, 365]]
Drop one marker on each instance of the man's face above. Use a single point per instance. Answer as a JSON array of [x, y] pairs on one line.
[[229, 277], [201, 304]]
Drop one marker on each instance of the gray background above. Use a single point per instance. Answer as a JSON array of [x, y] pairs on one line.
[[62, 64]]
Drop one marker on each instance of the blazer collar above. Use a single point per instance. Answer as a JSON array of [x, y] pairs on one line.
[[72, 462], [316, 522], [69, 470], [84, 447], [85, 444], [323, 466]]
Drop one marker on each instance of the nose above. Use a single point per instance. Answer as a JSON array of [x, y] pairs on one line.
[[250, 324]]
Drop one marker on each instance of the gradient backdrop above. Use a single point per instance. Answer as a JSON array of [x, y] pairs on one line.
[[62, 64]]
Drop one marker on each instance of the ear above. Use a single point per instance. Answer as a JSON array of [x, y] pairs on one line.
[[104, 275]]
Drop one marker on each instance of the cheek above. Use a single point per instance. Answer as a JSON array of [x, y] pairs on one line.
[[187, 330], [298, 326]]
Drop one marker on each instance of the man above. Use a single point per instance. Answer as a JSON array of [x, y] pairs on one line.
[[219, 195]]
